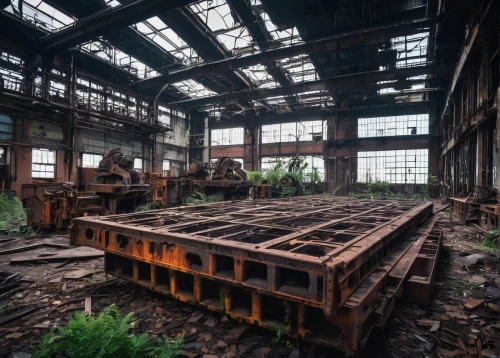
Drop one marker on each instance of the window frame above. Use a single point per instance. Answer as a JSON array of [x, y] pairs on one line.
[[36, 166], [92, 160]]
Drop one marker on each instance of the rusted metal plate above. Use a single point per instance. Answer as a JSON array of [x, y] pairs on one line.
[[288, 263]]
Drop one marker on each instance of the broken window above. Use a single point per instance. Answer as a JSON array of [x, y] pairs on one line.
[[394, 166], [43, 163], [314, 170], [91, 160], [227, 136], [412, 49], [138, 164], [165, 167], [291, 132], [393, 126], [9, 78]]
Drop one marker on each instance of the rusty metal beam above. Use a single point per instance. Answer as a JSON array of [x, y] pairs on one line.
[[296, 260], [339, 83], [326, 45]]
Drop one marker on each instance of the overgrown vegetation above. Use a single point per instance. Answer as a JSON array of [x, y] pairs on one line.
[[105, 336], [274, 174], [255, 177], [198, 198], [385, 190], [12, 214], [152, 205], [490, 240]]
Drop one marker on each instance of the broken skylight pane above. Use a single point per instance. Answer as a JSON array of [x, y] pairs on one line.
[[193, 89], [216, 14], [43, 15]]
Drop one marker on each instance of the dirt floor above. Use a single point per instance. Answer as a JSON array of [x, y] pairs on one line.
[[462, 320]]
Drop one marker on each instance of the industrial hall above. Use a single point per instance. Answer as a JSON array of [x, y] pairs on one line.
[[249, 178]]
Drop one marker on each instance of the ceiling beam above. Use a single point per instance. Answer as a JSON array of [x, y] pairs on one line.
[[325, 45], [107, 21], [337, 84], [257, 29]]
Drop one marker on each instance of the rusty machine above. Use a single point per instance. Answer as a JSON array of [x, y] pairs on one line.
[[55, 205], [119, 186], [321, 268], [227, 178], [116, 188]]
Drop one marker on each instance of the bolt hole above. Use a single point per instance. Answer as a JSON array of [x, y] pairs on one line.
[[122, 241], [89, 234]]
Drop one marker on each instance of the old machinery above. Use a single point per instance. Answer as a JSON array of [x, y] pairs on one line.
[[119, 186], [322, 268], [227, 179], [116, 188], [53, 206]]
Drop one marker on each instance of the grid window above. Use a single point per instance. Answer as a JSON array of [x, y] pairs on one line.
[[164, 115], [227, 136], [6, 125], [138, 165], [291, 132], [307, 131], [91, 160], [393, 126], [313, 163], [394, 166], [43, 163], [166, 167], [271, 133]]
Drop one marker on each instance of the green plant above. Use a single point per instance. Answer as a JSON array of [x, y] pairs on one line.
[[105, 336], [490, 240], [167, 349], [222, 298], [255, 177], [2, 309], [198, 198], [288, 191], [152, 205], [274, 174], [12, 214], [279, 328]]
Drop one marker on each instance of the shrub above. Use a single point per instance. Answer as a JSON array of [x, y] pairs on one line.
[[255, 177], [12, 214], [106, 336], [490, 240]]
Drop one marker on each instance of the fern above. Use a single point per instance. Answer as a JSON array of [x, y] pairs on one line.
[[105, 336]]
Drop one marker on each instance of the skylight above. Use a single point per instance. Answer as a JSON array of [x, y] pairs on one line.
[[118, 58], [41, 14], [193, 89], [156, 30]]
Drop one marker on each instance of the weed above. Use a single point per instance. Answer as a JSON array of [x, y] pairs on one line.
[[490, 240], [105, 336], [198, 198], [255, 177], [149, 206], [12, 214], [279, 328], [222, 298]]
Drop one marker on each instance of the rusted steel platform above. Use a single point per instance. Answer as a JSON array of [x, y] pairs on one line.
[[289, 264]]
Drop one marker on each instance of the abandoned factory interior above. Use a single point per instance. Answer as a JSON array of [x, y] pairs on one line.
[[249, 178]]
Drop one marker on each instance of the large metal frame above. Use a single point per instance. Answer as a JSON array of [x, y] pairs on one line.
[[287, 263]]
